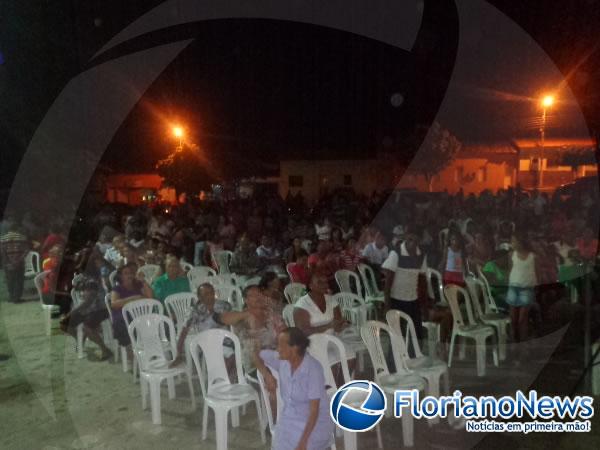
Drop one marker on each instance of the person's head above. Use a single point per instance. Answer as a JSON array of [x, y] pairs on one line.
[[56, 251], [318, 284], [172, 267], [292, 343], [296, 243], [126, 273], [575, 256], [127, 251], [118, 241], [206, 295], [253, 298], [270, 282], [244, 243], [336, 235], [455, 240], [266, 241], [302, 257], [411, 242], [519, 242], [351, 244], [379, 240]]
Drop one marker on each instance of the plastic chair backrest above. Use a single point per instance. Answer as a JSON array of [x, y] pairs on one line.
[[371, 335], [39, 283], [320, 343], [141, 307], [210, 342], [451, 292], [293, 291], [368, 279], [347, 301], [230, 293], [186, 266], [443, 237], [287, 269], [150, 272], [435, 285], [487, 292], [345, 279], [267, 400], [32, 263], [254, 281], [147, 339], [397, 320], [179, 305], [112, 278], [222, 260], [107, 303], [476, 289], [288, 315], [226, 278]]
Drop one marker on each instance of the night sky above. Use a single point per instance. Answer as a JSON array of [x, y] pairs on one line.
[[263, 89]]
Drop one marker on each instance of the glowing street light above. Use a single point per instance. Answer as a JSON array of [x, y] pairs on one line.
[[546, 102], [179, 133]]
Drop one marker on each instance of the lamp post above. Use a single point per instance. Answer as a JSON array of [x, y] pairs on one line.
[[547, 102], [179, 133]]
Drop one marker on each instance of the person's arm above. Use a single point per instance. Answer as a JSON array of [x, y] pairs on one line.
[[232, 317], [387, 286], [302, 321], [313, 415], [271, 358], [116, 302], [180, 345]]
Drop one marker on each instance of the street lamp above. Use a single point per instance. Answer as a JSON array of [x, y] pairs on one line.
[[179, 133], [546, 102]]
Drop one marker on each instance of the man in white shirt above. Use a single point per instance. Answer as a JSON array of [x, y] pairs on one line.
[[113, 255], [401, 270], [376, 252]]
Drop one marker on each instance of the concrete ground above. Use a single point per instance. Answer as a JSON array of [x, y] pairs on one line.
[[49, 399]]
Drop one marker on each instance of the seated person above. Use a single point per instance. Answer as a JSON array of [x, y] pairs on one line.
[[91, 312], [304, 422], [245, 260], [207, 314], [127, 289], [173, 281], [299, 271], [496, 273], [55, 290]]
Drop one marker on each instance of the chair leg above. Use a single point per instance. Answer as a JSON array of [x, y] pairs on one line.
[[48, 320], [452, 340], [462, 352], [204, 420], [235, 417], [350, 441], [480, 352], [221, 428], [191, 388], [135, 369], [407, 430], [155, 401], [379, 440], [446, 382], [124, 359], [144, 388], [261, 419], [80, 341], [171, 387], [433, 389], [502, 342]]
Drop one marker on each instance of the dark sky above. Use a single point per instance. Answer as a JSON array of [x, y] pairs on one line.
[[264, 89]]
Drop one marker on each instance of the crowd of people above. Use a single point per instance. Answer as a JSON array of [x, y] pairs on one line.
[[532, 247]]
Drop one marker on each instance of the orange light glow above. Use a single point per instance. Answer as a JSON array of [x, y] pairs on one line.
[[547, 101], [178, 132]]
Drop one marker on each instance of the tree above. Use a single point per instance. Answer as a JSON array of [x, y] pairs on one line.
[[437, 151], [186, 171], [578, 157]]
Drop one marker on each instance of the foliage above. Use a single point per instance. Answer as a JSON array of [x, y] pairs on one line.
[[577, 157], [185, 170]]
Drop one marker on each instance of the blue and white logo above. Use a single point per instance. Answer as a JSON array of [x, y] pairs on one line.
[[358, 406]]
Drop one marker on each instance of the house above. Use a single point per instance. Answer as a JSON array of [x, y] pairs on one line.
[[137, 188]]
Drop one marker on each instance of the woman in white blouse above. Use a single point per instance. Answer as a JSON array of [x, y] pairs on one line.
[[317, 311]]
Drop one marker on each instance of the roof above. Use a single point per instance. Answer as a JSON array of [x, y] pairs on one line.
[[528, 143]]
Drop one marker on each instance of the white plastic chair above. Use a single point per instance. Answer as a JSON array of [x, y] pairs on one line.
[[469, 329], [32, 264], [150, 272], [47, 310], [219, 393], [226, 278], [222, 260], [288, 315], [112, 278], [435, 286], [490, 300], [179, 306], [427, 367], [487, 315], [289, 272], [372, 292], [371, 333], [293, 291], [117, 349], [199, 275], [254, 281], [266, 399], [231, 294], [353, 308], [186, 266], [322, 346], [147, 339], [138, 308]]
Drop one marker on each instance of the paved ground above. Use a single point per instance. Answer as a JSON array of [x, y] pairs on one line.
[[49, 399]]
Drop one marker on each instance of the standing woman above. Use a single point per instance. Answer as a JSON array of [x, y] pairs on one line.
[[304, 423], [453, 260], [522, 281]]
